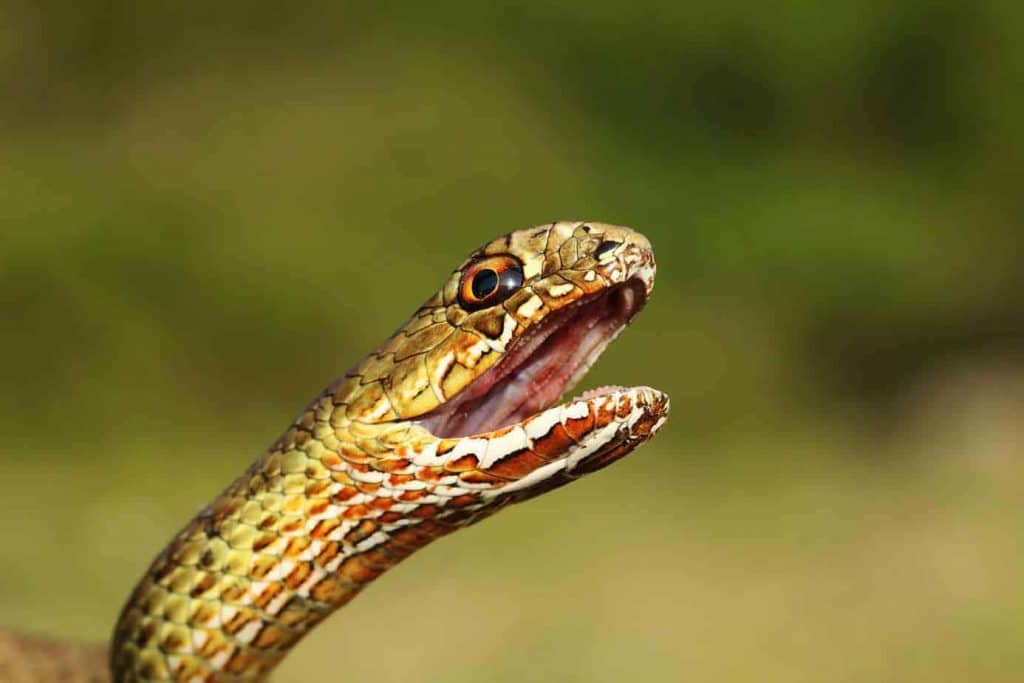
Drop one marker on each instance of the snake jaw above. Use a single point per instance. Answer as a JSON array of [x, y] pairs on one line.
[[503, 435], [587, 283], [570, 440], [541, 365], [484, 472]]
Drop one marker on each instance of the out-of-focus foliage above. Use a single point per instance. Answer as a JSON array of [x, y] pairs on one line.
[[208, 211]]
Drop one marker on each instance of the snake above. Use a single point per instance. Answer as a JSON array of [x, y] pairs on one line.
[[454, 417]]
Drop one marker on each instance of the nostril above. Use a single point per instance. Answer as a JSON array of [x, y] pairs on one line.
[[605, 247]]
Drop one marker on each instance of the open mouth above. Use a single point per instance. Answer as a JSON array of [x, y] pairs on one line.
[[541, 365]]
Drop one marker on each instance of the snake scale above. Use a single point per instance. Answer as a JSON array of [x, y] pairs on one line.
[[453, 418]]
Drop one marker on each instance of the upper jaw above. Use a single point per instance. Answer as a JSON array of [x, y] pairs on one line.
[[585, 283]]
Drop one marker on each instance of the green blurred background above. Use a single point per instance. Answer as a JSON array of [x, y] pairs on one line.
[[208, 211]]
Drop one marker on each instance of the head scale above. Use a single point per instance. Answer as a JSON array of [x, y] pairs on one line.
[[521, 280]]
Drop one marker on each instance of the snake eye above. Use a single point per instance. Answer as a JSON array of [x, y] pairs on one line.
[[489, 281], [604, 248]]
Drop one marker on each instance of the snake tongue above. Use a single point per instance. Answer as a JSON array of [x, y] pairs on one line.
[[541, 365]]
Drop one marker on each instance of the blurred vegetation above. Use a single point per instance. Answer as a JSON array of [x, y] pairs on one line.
[[207, 212]]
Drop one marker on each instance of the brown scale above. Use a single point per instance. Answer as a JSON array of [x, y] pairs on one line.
[[478, 477], [355, 570], [464, 464], [577, 428], [516, 465], [606, 412], [410, 496], [556, 442]]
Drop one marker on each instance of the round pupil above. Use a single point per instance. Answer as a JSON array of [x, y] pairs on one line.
[[484, 283]]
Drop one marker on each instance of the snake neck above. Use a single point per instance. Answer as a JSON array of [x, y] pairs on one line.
[[327, 509]]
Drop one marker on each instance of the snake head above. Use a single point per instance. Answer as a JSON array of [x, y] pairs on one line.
[[477, 371]]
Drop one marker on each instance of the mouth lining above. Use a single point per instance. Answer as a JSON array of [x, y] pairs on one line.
[[541, 365]]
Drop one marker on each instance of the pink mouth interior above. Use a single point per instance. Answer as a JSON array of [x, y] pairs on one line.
[[541, 365]]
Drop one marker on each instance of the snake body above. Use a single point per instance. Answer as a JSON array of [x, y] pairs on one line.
[[451, 419]]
